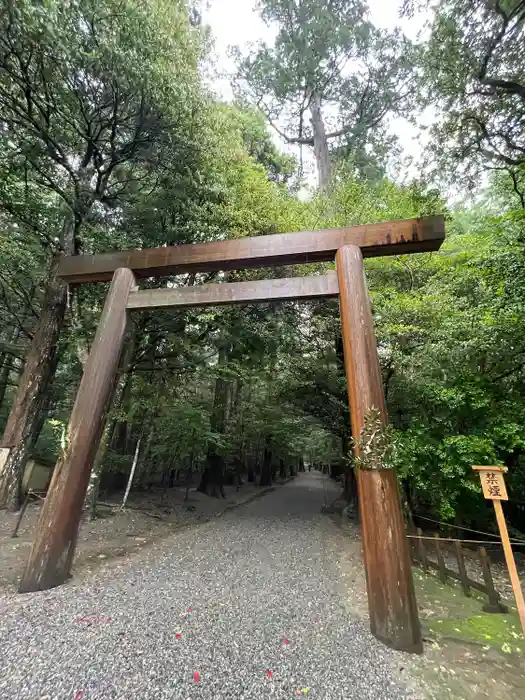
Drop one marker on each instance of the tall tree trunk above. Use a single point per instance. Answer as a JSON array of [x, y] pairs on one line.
[[6, 365], [237, 418], [213, 474], [250, 467], [266, 468], [38, 372], [131, 473], [90, 502], [321, 152], [144, 469], [120, 435], [5, 371]]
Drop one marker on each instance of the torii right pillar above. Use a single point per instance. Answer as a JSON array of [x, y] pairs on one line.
[[390, 586]]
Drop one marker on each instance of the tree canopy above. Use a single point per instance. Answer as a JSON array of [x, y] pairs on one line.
[[330, 80], [473, 71]]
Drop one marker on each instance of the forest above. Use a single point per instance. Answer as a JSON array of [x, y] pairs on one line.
[[113, 137]]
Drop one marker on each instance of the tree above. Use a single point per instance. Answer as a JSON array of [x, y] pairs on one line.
[[259, 144], [329, 63], [88, 93], [474, 73]]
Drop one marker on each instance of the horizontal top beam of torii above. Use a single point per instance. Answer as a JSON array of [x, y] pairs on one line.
[[386, 238]]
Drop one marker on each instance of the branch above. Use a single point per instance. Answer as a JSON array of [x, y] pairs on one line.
[[506, 374], [487, 137], [509, 86], [291, 139], [13, 314], [340, 132], [493, 44], [27, 297], [515, 187], [408, 269]]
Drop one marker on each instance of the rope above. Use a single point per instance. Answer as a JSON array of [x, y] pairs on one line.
[[452, 539], [467, 529]]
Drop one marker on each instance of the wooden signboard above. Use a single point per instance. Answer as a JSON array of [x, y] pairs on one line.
[[494, 489], [493, 482]]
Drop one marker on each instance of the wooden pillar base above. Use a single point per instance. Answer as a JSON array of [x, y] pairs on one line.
[[391, 597]]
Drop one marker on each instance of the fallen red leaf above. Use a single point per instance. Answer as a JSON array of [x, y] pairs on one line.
[[196, 676]]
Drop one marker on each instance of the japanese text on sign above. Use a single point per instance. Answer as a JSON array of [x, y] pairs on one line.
[[493, 485]]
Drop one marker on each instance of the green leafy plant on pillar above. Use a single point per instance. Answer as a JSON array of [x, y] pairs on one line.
[[375, 448]]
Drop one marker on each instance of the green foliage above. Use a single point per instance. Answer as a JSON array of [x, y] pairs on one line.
[[452, 345], [259, 144], [474, 73], [375, 446], [328, 57]]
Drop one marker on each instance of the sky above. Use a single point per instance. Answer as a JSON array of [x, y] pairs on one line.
[[236, 22]]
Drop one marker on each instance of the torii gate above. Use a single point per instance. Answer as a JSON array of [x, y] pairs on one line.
[[391, 597]]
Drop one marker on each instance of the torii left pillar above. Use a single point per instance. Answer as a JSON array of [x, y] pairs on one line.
[[51, 556]]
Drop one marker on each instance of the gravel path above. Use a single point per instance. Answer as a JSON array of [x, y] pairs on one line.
[[249, 601]]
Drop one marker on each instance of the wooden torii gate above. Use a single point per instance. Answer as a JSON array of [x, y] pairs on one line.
[[391, 597]]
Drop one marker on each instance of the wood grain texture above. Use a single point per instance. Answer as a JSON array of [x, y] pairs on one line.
[[287, 289], [391, 597], [511, 562], [52, 551], [386, 238]]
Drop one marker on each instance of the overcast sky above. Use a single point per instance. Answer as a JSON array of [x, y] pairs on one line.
[[235, 22]]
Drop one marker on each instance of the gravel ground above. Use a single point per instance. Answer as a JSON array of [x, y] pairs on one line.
[[116, 533], [250, 601]]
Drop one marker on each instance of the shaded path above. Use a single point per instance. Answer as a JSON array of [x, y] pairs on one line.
[[263, 573]]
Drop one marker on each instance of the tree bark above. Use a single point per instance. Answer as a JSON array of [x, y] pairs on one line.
[[6, 365], [131, 474], [90, 504], [237, 419], [5, 371], [321, 152], [38, 372], [212, 481], [120, 436], [266, 468], [250, 468]]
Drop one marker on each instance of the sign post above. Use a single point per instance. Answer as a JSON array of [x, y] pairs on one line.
[[494, 489]]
